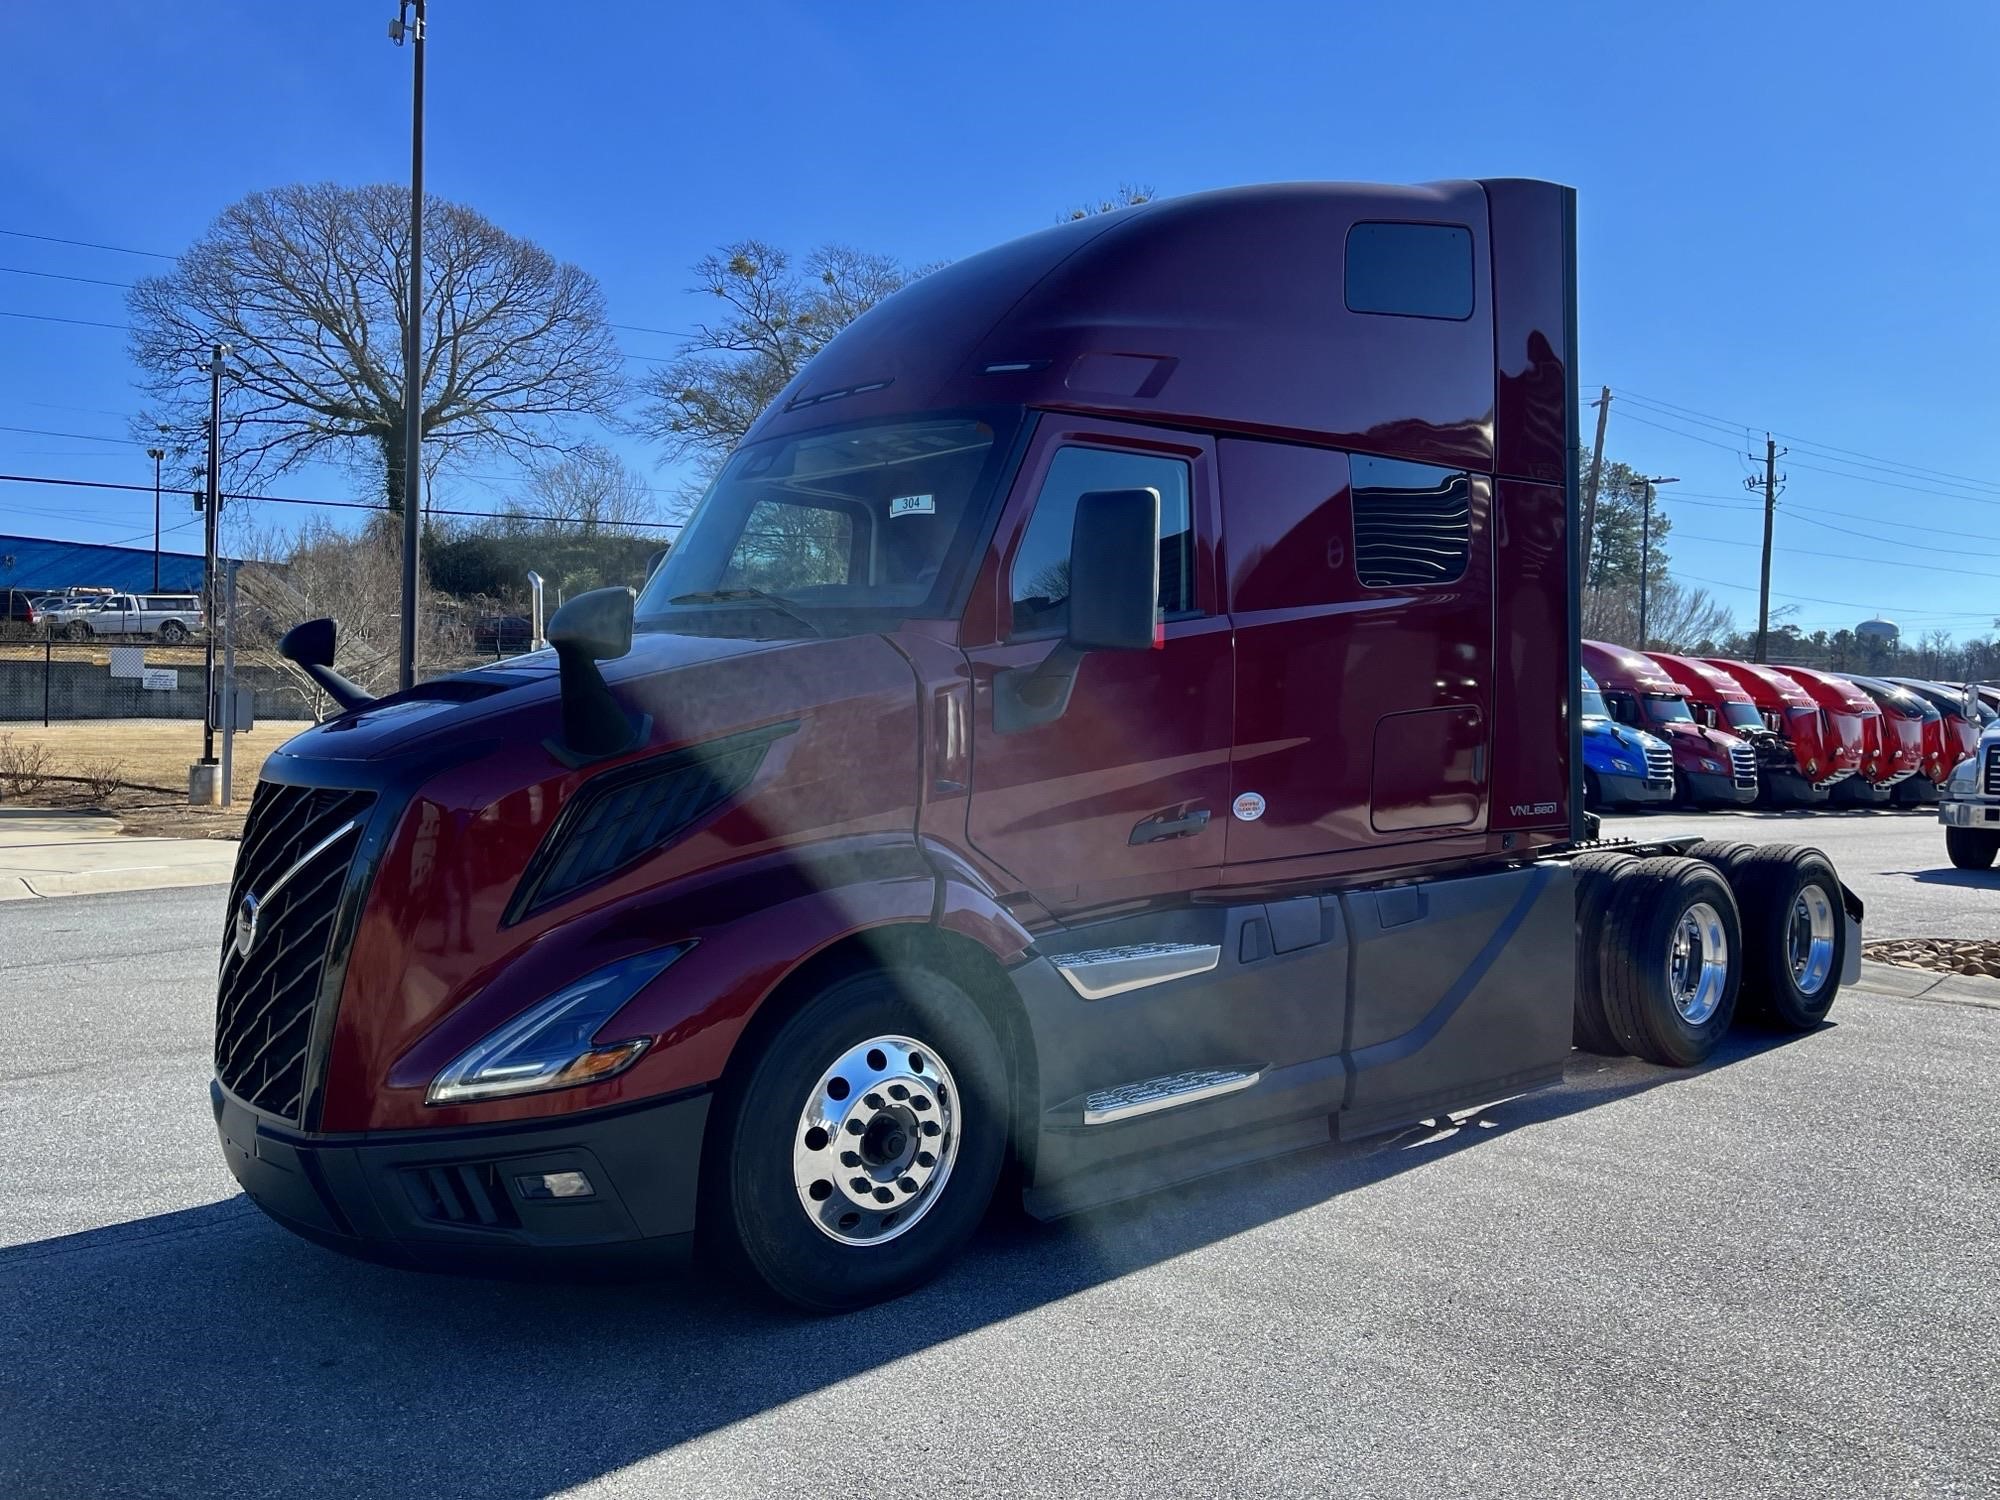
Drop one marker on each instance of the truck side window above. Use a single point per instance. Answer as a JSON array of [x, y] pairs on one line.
[[1412, 523], [1041, 565]]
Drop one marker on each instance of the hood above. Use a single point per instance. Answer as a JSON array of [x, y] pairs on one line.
[[470, 703], [1622, 735]]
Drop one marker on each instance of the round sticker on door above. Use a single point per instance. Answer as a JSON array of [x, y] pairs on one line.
[[1249, 807]]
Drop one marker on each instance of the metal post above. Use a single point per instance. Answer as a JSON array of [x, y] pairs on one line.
[[48, 671], [413, 379], [1645, 553], [210, 514], [228, 679], [156, 454]]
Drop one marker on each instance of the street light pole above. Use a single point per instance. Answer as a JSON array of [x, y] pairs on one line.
[[156, 454], [1646, 487], [413, 380], [211, 512]]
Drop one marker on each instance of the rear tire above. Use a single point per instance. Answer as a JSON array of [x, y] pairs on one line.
[[76, 630], [172, 633], [1794, 934], [1671, 961], [1597, 878], [794, 1199], [1971, 848]]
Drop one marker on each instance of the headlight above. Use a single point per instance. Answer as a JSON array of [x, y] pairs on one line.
[[1964, 773], [548, 1046]]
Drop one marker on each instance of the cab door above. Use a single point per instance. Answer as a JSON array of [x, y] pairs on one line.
[[1124, 793]]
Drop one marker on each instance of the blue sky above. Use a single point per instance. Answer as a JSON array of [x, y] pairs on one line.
[[1789, 212]]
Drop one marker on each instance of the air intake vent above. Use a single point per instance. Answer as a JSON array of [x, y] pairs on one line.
[[472, 1195], [622, 816], [291, 871], [1412, 523]]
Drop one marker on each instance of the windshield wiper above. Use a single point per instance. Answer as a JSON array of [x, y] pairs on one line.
[[748, 595]]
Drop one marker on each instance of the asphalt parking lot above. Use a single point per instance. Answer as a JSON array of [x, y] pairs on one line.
[[1772, 1276], [1892, 858]]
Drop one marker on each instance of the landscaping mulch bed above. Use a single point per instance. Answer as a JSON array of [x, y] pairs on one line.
[[1978, 956]]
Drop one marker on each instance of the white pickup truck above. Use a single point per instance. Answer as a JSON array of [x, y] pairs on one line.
[[1969, 804], [168, 618]]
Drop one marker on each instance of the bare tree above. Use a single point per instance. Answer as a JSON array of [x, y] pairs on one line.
[[309, 285], [1129, 195], [592, 489], [1678, 618], [775, 317]]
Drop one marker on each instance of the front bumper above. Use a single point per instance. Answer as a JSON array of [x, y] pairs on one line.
[[1719, 790], [449, 1199], [1970, 815], [1619, 790]]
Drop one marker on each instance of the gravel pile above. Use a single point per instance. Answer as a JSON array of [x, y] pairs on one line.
[[1939, 955]]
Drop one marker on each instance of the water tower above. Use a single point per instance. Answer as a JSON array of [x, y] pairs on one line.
[[1878, 629]]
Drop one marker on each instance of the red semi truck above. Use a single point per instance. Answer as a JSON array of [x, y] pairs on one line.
[[1712, 767], [1853, 721], [1718, 701], [1113, 719], [1820, 760]]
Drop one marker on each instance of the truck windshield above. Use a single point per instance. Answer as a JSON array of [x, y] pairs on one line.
[[1742, 716], [1593, 702], [835, 531], [1665, 710]]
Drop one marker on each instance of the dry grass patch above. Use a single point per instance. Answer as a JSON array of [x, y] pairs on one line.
[[137, 768]]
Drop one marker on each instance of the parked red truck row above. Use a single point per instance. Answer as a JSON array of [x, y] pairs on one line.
[[1115, 716], [1820, 759], [1717, 701], [1853, 720], [1712, 766]]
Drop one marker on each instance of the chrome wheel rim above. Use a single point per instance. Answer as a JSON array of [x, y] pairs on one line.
[[1809, 940], [876, 1140], [1698, 963]]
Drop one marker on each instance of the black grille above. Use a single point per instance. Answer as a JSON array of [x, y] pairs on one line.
[[1410, 528], [471, 1195], [1993, 770], [298, 843], [626, 814]]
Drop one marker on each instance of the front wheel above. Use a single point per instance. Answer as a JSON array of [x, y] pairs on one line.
[[1971, 848], [173, 632], [862, 1148], [76, 630]]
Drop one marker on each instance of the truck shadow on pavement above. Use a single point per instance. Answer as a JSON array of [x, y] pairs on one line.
[[207, 1351]]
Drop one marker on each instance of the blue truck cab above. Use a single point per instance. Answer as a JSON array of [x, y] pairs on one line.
[[1622, 766]]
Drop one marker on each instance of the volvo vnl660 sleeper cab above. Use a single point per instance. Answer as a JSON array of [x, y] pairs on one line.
[[1114, 718], [1622, 766], [1712, 767]]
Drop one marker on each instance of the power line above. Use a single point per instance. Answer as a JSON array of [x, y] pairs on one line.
[[79, 322], [59, 276], [228, 495], [1937, 614], [50, 239]]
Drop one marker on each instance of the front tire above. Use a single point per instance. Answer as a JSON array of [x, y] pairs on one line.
[[861, 1149], [1971, 848], [76, 630], [173, 633]]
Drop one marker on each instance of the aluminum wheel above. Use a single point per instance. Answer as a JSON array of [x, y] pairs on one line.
[[1809, 940], [876, 1141], [1698, 965]]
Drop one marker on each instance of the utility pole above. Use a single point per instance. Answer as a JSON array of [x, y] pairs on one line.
[[1769, 484], [210, 514], [1603, 405], [413, 379], [1646, 487], [156, 454]]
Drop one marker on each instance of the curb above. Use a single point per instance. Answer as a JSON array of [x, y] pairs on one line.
[[1902, 983]]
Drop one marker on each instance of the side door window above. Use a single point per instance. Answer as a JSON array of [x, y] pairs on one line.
[[1040, 580]]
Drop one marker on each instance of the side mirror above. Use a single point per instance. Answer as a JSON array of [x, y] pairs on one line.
[[310, 646], [593, 627], [1114, 600], [1114, 571], [1968, 703]]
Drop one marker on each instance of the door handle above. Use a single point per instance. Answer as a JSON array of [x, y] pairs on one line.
[[1151, 830]]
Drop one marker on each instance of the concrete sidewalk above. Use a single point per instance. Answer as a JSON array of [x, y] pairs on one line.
[[1923, 984], [45, 853]]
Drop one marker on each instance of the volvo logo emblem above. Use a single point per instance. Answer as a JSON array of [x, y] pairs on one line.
[[246, 925]]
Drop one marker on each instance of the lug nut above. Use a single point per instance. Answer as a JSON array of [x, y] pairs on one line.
[[907, 1184]]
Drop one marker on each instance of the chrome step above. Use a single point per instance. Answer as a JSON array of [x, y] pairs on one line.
[[1150, 1095], [1100, 972]]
